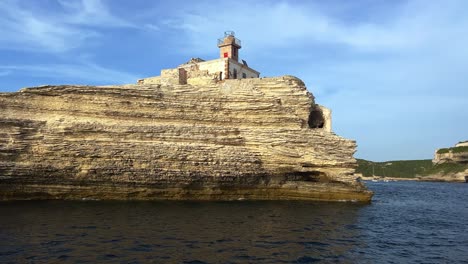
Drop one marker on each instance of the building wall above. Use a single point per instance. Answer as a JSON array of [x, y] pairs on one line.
[[212, 66], [202, 72], [327, 116], [218, 65], [241, 68], [168, 76], [170, 73], [231, 46], [150, 80]]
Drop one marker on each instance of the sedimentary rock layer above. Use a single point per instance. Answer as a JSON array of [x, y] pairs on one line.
[[452, 155], [237, 139]]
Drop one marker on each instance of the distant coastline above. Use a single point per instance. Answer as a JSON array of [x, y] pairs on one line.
[[434, 178], [412, 170]]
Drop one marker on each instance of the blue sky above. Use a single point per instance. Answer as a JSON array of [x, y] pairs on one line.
[[394, 73]]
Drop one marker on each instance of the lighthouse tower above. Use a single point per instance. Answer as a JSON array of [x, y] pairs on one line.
[[198, 71], [229, 46]]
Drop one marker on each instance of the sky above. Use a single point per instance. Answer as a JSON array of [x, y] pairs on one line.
[[394, 73]]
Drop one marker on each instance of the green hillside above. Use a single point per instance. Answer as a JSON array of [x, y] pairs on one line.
[[406, 168]]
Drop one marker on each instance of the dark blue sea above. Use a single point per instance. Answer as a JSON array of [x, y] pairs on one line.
[[407, 222]]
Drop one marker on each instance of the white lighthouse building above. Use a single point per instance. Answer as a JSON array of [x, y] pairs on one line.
[[198, 71]]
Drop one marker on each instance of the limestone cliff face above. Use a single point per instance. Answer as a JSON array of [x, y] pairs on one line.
[[456, 154], [237, 139]]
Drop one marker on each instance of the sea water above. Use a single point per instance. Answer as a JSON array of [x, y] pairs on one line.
[[407, 222]]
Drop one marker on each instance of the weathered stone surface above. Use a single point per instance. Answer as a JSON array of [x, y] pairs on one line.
[[461, 176], [237, 139], [457, 154], [454, 156]]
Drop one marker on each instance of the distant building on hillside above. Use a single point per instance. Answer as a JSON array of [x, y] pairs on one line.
[[198, 71]]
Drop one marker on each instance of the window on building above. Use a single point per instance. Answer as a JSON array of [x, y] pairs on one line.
[[225, 54], [234, 74], [244, 75]]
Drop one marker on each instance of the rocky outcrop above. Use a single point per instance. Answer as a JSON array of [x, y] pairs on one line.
[[456, 154], [451, 164], [461, 176], [237, 139]]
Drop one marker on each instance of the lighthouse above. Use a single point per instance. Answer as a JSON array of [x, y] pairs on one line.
[[198, 71], [229, 46]]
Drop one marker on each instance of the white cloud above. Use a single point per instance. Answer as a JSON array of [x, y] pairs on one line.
[[87, 72], [5, 73], [91, 12], [391, 80], [386, 68], [294, 24], [24, 30], [25, 27], [152, 27]]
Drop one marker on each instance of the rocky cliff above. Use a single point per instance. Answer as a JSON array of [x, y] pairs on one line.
[[236, 139], [456, 154], [453, 162]]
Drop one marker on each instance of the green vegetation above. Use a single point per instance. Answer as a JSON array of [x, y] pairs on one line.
[[446, 168], [443, 150], [453, 150], [459, 149], [397, 169], [406, 168]]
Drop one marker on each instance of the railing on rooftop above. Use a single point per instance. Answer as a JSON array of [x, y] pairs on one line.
[[229, 34], [236, 41]]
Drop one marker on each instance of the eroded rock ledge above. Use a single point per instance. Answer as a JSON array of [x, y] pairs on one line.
[[237, 139]]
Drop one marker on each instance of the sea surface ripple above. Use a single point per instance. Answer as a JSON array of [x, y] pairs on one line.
[[407, 222]]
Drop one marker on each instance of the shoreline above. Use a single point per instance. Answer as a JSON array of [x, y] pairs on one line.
[[379, 178], [432, 178]]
